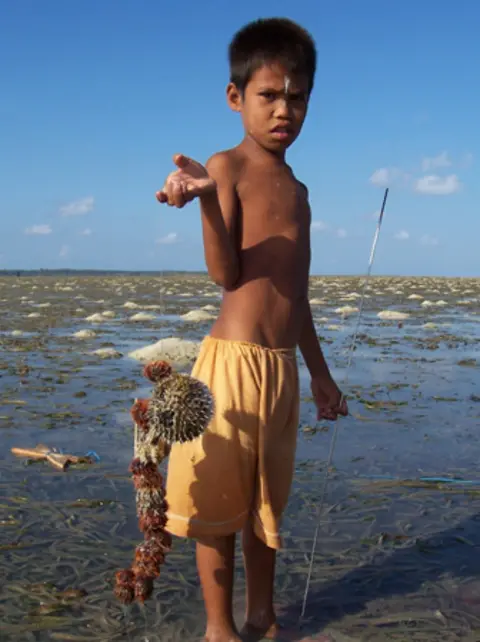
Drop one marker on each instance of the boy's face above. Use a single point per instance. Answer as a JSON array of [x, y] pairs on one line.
[[273, 107]]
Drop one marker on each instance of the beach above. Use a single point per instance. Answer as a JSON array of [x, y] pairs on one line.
[[396, 556]]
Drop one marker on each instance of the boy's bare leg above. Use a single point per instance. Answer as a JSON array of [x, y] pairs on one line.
[[216, 562], [259, 562], [261, 622]]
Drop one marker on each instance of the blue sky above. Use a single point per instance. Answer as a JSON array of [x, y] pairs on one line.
[[98, 95]]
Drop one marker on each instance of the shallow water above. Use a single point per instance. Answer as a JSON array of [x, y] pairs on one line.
[[396, 560]]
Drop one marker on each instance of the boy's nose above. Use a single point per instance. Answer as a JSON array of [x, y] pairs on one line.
[[282, 107]]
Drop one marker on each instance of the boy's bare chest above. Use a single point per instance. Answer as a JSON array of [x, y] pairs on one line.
[[273, 204]]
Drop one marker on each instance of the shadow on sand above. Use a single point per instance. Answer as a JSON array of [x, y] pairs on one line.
[[402, 571], [393, 572]]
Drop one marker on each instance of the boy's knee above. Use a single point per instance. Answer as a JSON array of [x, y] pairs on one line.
[[216, 542]]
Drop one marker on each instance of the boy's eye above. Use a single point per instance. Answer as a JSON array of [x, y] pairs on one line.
[[297, 98], [270, 96]]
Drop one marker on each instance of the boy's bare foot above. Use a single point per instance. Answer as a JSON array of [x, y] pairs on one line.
[[250, 633], [221, 635]]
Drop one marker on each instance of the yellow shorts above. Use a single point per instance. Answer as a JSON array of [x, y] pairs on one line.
[[243, 464]]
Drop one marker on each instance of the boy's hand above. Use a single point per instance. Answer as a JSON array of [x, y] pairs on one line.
[[190, 180], [328, 398]]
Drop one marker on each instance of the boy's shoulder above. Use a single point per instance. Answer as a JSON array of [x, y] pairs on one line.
[[303, 186], [230, 164], [227, 161]]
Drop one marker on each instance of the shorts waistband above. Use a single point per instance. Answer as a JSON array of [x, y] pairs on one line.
[[291, 352]]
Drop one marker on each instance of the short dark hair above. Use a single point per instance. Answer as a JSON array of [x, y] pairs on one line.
[[271, 40]]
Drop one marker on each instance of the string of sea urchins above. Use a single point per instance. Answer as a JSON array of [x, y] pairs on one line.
[[179, 410]]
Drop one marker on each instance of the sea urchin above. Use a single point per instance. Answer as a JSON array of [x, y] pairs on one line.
[[179, 410]]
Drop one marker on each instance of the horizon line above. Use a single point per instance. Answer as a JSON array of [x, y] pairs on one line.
[[112, 271]]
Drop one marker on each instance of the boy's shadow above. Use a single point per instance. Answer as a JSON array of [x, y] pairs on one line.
[[401, 571], [397, 572]]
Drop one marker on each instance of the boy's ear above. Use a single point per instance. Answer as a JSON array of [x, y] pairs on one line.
[[234, 97]]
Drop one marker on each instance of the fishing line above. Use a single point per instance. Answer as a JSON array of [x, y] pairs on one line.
[[335, 432]]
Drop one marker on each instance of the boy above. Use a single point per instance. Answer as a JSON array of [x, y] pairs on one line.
[[256, 220]]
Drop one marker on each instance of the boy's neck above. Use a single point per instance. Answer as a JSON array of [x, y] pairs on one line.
[[257, 152]]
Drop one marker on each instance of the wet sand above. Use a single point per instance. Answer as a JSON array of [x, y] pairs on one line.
[[397, 558]]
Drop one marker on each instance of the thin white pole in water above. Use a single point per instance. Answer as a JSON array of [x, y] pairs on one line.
[[335, 432]]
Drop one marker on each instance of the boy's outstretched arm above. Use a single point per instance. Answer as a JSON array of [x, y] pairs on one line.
[[215, 186], [219, 223]]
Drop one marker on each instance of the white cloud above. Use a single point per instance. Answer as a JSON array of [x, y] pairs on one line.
[[319, 226], [78, 208], [40, 230], [380, 177], [64, 251], [86, 232], [403, 235], [438, 185], [386, 176], [168, 239], [433, 162], [428, 240]]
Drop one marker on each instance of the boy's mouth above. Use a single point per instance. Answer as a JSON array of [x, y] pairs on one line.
[[280, 132]]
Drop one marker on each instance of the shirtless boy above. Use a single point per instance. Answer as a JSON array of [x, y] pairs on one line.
[[256, 234]]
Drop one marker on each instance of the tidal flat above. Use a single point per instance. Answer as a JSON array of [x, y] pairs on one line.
[[398, 549]]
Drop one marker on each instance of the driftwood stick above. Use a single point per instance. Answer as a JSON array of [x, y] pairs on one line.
[[57, 460]]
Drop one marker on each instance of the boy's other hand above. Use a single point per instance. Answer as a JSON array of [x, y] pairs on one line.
[[328, 398], [190, 180]]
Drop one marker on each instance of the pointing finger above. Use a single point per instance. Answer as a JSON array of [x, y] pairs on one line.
[[181, 161]]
